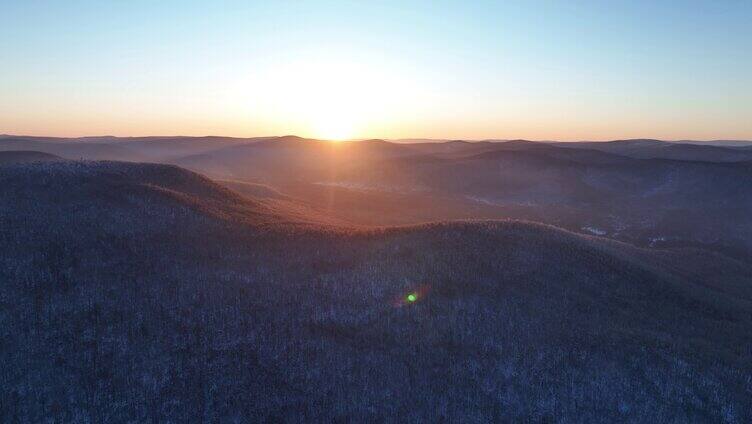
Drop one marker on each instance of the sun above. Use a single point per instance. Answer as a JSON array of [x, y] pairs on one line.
[[329, 96], [334, 118], [334, 126]]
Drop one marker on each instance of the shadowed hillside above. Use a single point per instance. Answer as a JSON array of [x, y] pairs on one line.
[[136, 292], [54, 191]]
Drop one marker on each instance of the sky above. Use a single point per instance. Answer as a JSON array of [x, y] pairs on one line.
[[541, 70]]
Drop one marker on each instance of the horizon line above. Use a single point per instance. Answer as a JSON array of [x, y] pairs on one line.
[[401, 139]]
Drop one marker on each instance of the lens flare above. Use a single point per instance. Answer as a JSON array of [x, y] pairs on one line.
[[413, 296]]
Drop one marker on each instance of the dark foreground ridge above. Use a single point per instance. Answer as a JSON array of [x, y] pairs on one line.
[[136, 292]]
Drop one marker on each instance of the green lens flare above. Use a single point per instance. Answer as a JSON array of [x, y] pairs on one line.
[[412, 297]]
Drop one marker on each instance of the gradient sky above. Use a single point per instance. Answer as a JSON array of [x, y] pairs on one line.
[[534, 69]]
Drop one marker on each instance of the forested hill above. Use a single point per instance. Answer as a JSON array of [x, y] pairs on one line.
[[135, 292]]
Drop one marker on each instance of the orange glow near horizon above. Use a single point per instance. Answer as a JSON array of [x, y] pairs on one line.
[[347, 96]]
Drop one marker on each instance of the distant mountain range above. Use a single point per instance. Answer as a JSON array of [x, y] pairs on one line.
[[645, 192], [730, 143]]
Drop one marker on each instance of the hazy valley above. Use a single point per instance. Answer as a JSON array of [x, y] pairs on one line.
[[638, 191]]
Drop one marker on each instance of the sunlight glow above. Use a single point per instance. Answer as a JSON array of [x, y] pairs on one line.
[[331, 97], [333, 123]]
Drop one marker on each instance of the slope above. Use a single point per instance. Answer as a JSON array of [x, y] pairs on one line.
[[123, 301]]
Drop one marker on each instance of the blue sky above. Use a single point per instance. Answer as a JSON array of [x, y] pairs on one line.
[[534, 69]]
